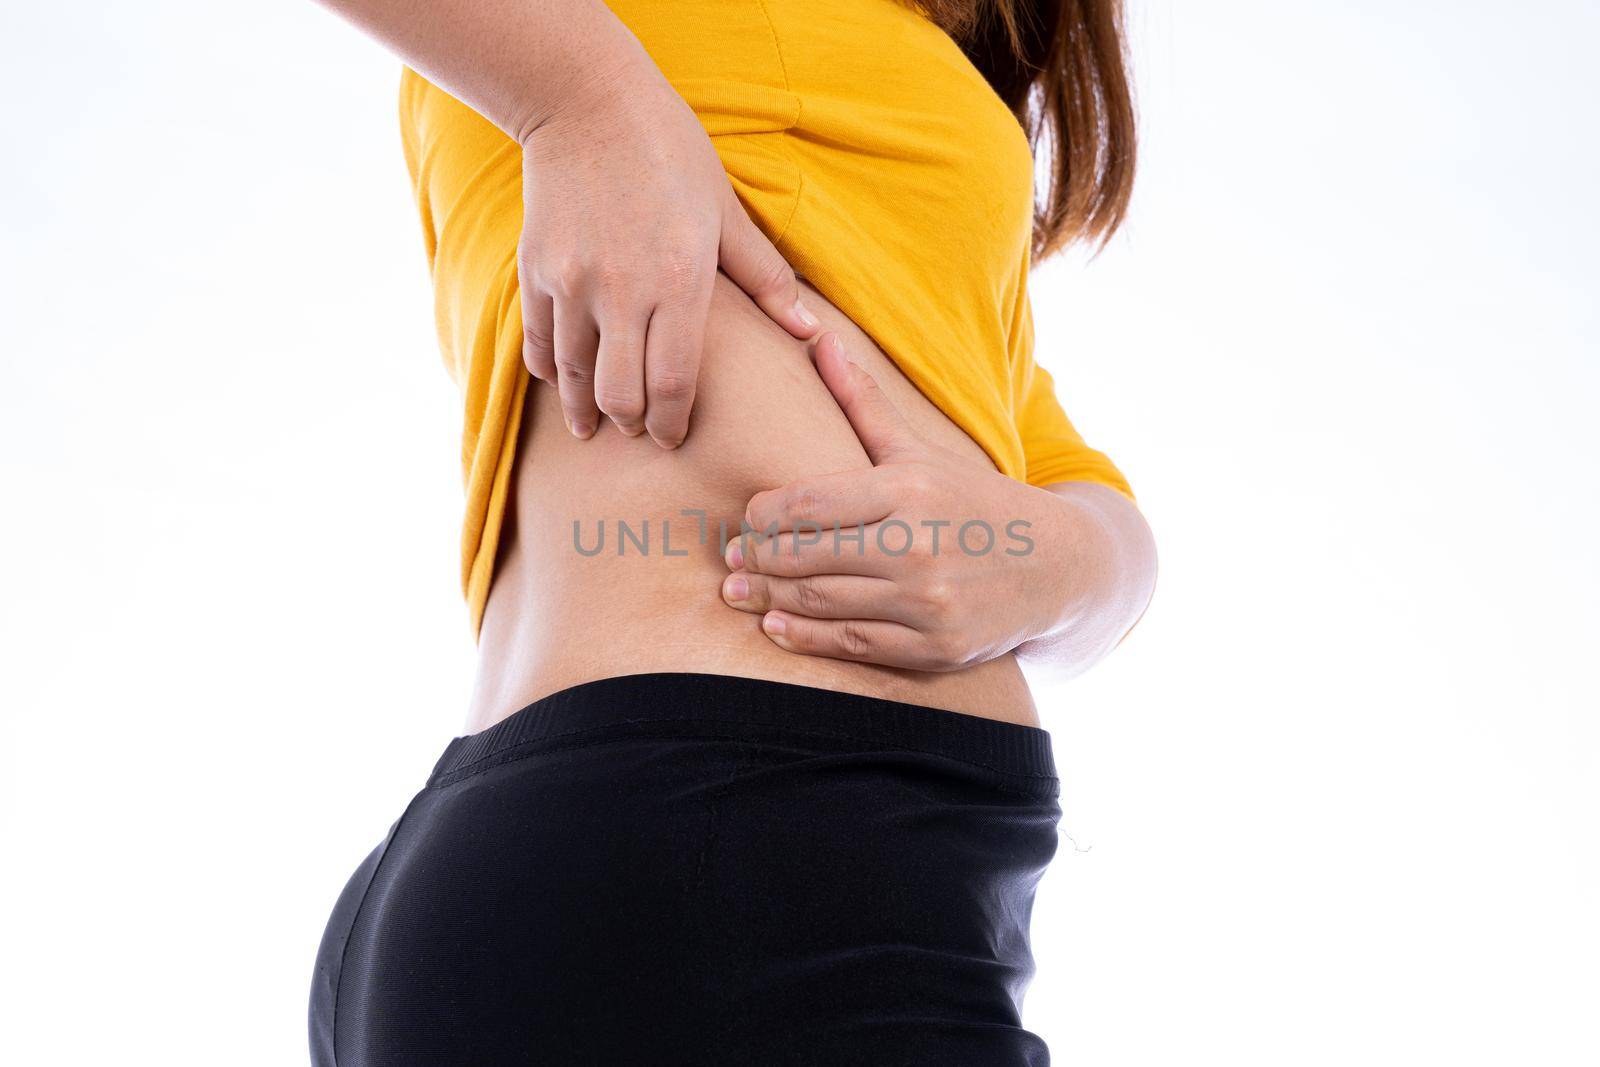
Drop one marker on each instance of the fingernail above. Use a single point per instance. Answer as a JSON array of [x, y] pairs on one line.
[[734, 556], [738, 588], [580, 430], [774, 624], [803, 313]]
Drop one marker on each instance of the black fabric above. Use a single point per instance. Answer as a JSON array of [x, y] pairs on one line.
[[686, 869]]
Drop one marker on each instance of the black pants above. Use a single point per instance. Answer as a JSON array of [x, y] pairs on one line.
[[700, 870]]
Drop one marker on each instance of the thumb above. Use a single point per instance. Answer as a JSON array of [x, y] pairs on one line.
[[746, 256], [878, 424]]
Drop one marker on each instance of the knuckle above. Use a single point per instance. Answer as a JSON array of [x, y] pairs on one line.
[[944, 650], [773, 277], [918, 479], [774, 559], [854, 639], [938, 601], [619, 403], [810, 597], [671, 384], [536, 337], [564, 276], [804, 503], [670, 433], [793, 558], [574, 371], [530, 273]]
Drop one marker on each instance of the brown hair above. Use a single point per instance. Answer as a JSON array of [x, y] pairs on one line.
[[1060, 66]]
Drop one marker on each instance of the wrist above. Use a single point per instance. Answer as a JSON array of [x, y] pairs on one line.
[[1100, 568], [601, 90], [1072, 571]]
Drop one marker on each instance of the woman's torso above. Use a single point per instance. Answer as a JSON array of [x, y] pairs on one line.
[[557, 616], [875, 156]]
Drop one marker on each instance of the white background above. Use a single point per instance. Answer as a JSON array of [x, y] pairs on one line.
[[1333, 802]]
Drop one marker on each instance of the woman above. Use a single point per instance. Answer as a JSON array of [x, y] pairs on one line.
[[745, 797]]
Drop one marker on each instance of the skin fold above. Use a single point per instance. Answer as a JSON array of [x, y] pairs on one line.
[[766, 421], [667, 337], [950, 563]]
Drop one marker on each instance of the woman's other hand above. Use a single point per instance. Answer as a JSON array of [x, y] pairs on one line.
[[627, 216], [939, 562]]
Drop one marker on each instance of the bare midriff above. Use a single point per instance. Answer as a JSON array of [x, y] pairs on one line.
[[561, 613]]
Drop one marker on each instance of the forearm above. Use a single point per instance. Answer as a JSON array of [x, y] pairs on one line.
[[1105, 556], [515, 62]]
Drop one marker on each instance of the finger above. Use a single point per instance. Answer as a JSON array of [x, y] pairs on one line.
[[847, 498], [576, 344], [878, 424], [538, 331], [822, 596], [862, 640], [672, 363], [619, 372], [757, 267], [804, 552]]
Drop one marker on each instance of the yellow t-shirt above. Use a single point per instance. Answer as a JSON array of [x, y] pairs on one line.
[[869, 150]]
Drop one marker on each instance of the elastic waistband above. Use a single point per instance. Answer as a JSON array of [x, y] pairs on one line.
[[717, 704]]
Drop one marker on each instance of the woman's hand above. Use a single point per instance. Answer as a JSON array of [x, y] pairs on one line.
[[627, 211], [627, 216], [938, 562]]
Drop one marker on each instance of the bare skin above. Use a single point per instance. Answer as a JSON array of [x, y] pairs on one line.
[[762, 418], [655, 309], [948, 563]]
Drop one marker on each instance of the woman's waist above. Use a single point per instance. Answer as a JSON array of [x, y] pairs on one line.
[[687, 705], [568, 619], [611, 557], [610, 568]]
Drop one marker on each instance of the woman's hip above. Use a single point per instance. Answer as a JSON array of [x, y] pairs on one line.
[[685, 868]]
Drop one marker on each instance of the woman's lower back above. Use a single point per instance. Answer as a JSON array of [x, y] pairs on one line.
[[610, 562]]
